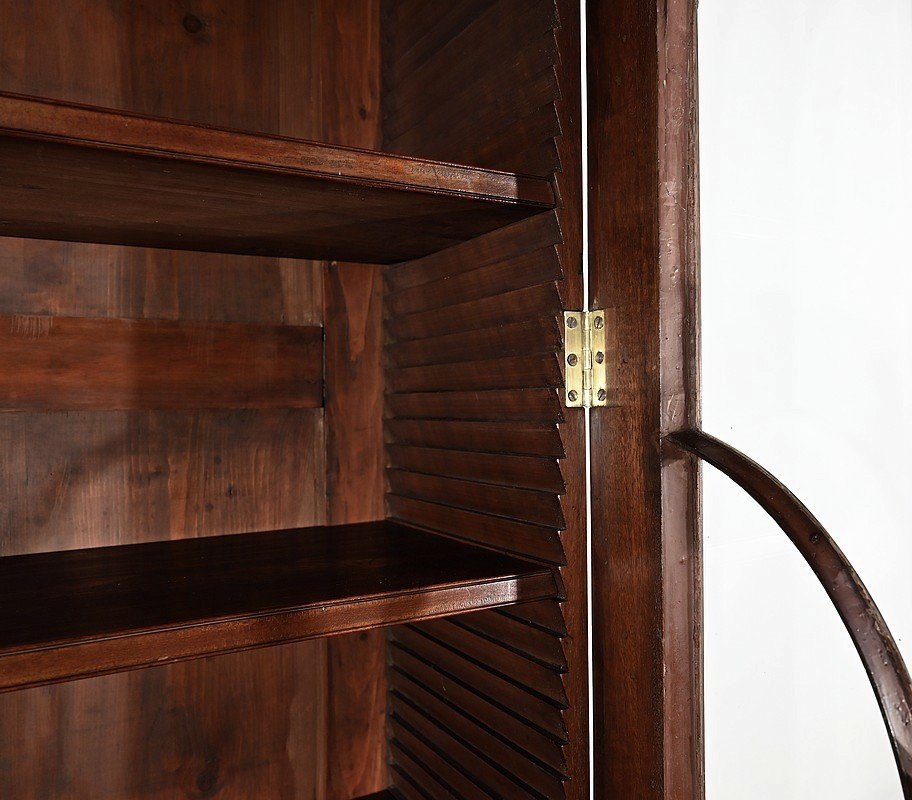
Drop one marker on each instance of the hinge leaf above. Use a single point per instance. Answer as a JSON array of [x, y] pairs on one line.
[[585, 373]]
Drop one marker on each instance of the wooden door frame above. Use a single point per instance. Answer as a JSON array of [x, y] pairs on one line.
[[644, 271]]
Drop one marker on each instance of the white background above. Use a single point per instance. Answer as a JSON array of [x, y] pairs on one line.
[[806, 179]]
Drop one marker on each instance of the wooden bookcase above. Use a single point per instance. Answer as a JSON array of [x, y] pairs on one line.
[[293, 507]]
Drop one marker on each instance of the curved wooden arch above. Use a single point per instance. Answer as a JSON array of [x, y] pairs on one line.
[[873, 640]]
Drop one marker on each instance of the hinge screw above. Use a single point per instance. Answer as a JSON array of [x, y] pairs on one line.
[[572, 360], [602, 395], [599, 357], [599, 322], [572, 396], [571, 322]]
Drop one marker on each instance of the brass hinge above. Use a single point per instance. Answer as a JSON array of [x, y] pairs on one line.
[[584, 357]]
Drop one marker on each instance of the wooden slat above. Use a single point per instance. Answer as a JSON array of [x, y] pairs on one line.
[[527, 144], [483, 437], [416, 30], [527, 269], [523, 56], [545, 614], [428, 781], [528, 473], [532, 541], [405, 742], [66, 363], [536, 336], [79, 173], [516, 764], [533, 677], [514, 372], [483, 36], [406, 788], [501, 310], [521, 735], [443, 741], [517, 635], [535, 233], [538, 508], [529, 405], [101, 610], [496, 114], [516, 700]]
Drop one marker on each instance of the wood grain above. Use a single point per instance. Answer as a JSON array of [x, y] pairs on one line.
[[100, 478], [65, 363], [504, 470], [349, 46], [646, 553], [85, 612], [190, 738], [86, 174], [474, 430], [533, 541], [483, 437]]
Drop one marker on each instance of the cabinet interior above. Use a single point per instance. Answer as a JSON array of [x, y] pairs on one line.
[[293, 508]]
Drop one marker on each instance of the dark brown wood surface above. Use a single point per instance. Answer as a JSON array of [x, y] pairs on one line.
[[643, 272], [85, 174], [479, 444], [349, 42], [55, 363], [83, 612], [250, 724]]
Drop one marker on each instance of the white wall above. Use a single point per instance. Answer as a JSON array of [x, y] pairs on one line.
[[806, 177]]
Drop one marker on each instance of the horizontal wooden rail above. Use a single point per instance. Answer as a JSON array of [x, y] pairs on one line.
[[873, 640], [56, 363]]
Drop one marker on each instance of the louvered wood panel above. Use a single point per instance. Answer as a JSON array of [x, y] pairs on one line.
[[491, 312], [440, 737], [517, 765], [533, 541], [504, 470], [516, 700], [480, 437], [469, 702], [478, 444], [540, 335]]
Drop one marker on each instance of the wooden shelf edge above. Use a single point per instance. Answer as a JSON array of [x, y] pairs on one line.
[[83, 174], [91, 126], [56, 661]]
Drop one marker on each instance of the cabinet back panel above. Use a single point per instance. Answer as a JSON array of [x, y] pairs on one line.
[[271, 723]]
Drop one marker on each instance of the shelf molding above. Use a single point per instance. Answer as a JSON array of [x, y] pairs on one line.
[[73, 614], [79, 173]]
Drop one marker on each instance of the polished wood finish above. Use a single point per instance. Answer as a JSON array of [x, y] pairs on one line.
[[251, 724], [875, 644], [55, 363], [479, 444], [99, 610], [645, 509], [353, 303], [86, 174]]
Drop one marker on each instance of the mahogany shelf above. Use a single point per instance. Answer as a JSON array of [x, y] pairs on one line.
[[69, 614], [78, 173]]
